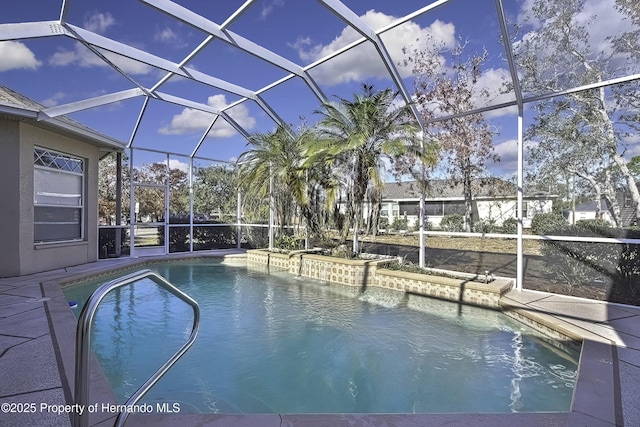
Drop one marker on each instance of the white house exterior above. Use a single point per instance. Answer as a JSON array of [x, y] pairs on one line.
[[587, 210], [493, 200]]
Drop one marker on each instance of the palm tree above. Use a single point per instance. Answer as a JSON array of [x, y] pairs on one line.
[[356, 137], [276, 157]]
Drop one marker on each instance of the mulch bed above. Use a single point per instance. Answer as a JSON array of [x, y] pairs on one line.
[[498, 257]]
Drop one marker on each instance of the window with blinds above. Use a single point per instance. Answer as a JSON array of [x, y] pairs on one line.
[[58, 188]]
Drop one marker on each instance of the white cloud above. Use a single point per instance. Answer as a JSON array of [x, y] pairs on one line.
[[166, 35], [16, 55], [128, 65], [80, 56], [84, 58], [54, 99], [268, 7], [192, 121], [170, 38], [99, 22], [177, 164], [508, 152], [600, 18], [492, 80], [363, 62], [609, 22], [632, 146]]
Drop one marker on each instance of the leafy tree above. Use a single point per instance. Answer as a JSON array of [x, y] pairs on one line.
[[278, 157], [629, 41], [179, 191], [584, 132], [375, 206], [566, 144], [107, 170], [215, 189], [634, 167], [448, 89], [151, 200], [355, 137]]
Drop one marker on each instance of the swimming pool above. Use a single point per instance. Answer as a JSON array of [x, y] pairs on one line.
[[272, 343]]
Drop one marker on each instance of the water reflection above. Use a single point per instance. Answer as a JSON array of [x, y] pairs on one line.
[[272, 343]]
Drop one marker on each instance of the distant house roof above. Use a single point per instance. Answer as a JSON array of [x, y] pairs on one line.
[[14, 104], [441, 189], [591, 206]]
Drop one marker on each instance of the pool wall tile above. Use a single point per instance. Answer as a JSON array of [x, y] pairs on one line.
[[365, 273], [554, 320]]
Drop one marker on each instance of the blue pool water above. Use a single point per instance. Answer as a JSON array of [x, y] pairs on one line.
[[273, 343]]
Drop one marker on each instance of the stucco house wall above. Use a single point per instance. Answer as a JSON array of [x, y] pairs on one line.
[[500, 210], [19, 254], [495, 201], [10, 191], [496, 210], [20, 133]]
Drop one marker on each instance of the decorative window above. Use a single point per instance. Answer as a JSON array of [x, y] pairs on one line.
[[58, 188]]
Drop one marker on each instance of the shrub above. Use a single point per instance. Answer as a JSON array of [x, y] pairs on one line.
[[107, 242], [179, 239], [580, 263], [546, 223], [510, 226], [485, 226], [255, 237], [342, 251], [213, 237], [596, 225], [428, 226], [289, 243], [400, 223], [454, 222], [383, 223]]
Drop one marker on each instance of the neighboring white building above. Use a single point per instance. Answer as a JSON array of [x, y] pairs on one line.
[[493, 199], [587, 210]]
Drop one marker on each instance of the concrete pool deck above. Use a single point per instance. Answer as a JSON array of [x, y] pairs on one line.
[[37, 345]]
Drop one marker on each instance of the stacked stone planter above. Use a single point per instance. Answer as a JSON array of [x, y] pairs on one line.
[[365, 273]]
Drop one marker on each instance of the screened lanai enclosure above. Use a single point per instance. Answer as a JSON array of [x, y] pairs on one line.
[[505, 141]]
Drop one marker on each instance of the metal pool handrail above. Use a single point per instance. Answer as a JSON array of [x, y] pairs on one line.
[[83, 343]]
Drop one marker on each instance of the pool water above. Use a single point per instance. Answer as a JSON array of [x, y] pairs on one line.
[[274, 343]]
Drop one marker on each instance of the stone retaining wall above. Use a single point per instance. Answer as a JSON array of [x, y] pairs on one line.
[[364, 273], [461, 290]]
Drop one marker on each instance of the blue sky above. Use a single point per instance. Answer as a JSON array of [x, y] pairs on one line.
[[58, 70]]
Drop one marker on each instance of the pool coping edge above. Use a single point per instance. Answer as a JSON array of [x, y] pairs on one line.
[[596, 397]]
